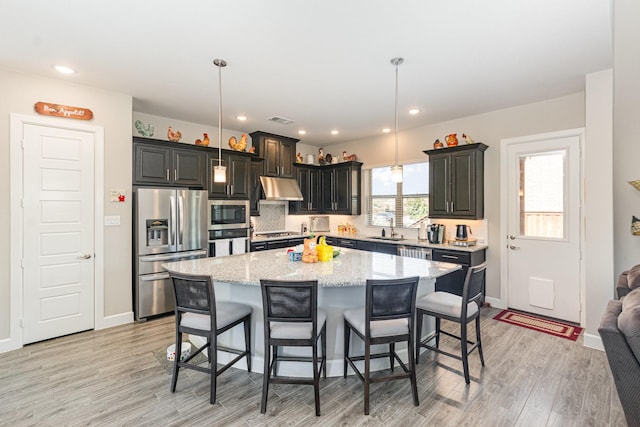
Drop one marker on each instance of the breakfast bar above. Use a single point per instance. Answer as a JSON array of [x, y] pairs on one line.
[[341, 285]]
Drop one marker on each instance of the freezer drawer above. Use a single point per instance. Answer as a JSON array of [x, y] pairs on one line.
[[153, 295]]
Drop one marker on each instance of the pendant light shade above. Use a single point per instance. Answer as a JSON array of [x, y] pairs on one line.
[[396, 171], [219, 172]]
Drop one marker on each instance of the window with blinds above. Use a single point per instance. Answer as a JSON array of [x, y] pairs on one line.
[[404, 203]]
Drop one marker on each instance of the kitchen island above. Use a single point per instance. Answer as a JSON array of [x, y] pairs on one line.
[[341, 285]]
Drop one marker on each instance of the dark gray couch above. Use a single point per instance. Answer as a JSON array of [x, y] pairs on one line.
[[628, 281], [620, 332]]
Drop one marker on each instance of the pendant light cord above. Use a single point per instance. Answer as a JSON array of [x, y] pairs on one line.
[[219, 63], [396, 62]]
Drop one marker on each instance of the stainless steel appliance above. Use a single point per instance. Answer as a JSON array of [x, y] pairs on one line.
[[415, 252], [461, 232], [223, 214], [435, 233], [169, 225], [228, 241], [319, 223]]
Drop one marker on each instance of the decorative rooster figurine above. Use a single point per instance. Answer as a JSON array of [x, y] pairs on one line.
[[142, 130], [173, 136], [205, 140], [238, 145]]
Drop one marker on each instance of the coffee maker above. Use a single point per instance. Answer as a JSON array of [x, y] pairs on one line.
[[435, 233]]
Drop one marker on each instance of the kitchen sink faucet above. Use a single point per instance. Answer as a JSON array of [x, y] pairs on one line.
[[393, 233]]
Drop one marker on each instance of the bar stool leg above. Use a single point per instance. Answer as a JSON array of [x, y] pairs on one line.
[[367, 376], [247, 341], [479, 340], [316, 378], [347, 339], [265, 376], [323, 342], [418, 334]]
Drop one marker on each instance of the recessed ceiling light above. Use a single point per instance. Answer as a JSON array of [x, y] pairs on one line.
[[302, 132], [386, 130], [241, 118], [64, 70], [414, 111], [334, 132]]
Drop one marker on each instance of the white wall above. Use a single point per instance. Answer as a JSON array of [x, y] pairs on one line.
[[113, 112]]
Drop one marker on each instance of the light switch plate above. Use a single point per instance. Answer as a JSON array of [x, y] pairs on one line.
[[112, 220]]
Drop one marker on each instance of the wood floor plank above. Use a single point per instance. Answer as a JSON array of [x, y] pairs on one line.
[[118, 377]]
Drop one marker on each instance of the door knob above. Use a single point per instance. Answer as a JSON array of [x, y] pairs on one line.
[[513, 247], [86, 256], [511, 236]]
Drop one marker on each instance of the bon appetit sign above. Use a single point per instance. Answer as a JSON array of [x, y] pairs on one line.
[[66, 111]]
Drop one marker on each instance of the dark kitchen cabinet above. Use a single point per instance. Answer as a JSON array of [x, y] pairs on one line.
[[158, 163], [308, 177], [278, 152], [453, 282], [255, 186], [276, 244], [237, 185], [385, 248], [341, 188], [456, 182]]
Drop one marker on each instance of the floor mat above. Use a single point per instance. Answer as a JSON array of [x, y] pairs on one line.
[[530, 321]]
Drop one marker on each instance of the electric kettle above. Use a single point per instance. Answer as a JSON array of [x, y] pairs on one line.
[[461, 232]]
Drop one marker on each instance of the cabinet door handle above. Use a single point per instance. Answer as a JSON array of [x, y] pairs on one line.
[[175, 174], [446, 208], [231, 189], [167, 174], [452, 207], [450, 257]]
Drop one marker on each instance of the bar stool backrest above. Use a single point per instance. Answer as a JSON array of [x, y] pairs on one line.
[[390, 299], [194, 294], [290, 301], [473, 289]]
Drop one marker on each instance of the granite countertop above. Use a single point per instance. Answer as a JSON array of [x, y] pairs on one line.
[[369, 238], [351, 268]]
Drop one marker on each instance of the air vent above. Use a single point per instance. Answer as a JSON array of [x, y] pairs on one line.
[[280, 120]]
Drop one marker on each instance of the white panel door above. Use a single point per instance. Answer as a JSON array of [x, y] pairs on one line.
[[58, 262], [543, 226]]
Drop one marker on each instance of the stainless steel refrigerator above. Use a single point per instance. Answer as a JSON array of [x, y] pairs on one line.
[[169, 225]]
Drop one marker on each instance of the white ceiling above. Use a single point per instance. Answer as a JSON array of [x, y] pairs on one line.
[[324, 64]]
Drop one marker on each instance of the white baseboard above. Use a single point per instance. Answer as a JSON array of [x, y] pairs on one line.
[[115, 320], [9, 344], [593, 341], [495, 302]]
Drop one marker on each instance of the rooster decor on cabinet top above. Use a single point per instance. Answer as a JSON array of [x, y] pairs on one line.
[[174, 136], [238, 145]]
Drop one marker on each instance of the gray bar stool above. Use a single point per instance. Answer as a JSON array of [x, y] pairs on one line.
[[198, 313], [387, 318], [460, 309], [292, 318]]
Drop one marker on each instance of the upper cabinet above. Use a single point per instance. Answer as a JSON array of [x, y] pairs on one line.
[[158, 163], [456, 181], [279, 153], [309, 181], [341, 188], [238, 182]]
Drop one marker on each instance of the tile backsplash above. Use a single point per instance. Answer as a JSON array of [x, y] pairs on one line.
[[272, 217]]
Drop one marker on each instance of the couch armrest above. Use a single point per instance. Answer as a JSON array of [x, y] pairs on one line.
[[624, 366]]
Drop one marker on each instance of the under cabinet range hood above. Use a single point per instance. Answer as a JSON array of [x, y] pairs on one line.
[[281, 189]]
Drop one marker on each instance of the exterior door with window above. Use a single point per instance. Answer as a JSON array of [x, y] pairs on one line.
[[543, 224]]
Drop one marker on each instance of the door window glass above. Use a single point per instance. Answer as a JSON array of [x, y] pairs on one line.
[[542, 194]]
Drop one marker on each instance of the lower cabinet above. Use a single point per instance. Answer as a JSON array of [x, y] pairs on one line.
[[453, 282], [276, 244]]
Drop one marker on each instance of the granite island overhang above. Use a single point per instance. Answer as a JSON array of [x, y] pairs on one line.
[[341, 285]]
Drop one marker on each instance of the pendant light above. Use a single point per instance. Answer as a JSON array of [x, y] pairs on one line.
[[219, 172], [396, 171]]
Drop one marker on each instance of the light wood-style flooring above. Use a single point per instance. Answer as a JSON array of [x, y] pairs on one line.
[[115, 377]]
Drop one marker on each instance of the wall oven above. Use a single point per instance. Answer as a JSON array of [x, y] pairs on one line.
[[228, 214]]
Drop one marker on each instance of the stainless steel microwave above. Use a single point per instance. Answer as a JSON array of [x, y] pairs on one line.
[[223, 214]]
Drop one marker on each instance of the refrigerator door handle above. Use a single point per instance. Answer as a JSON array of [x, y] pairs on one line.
[[180, 222], [172, 220], [154, 277], [172, 256]]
